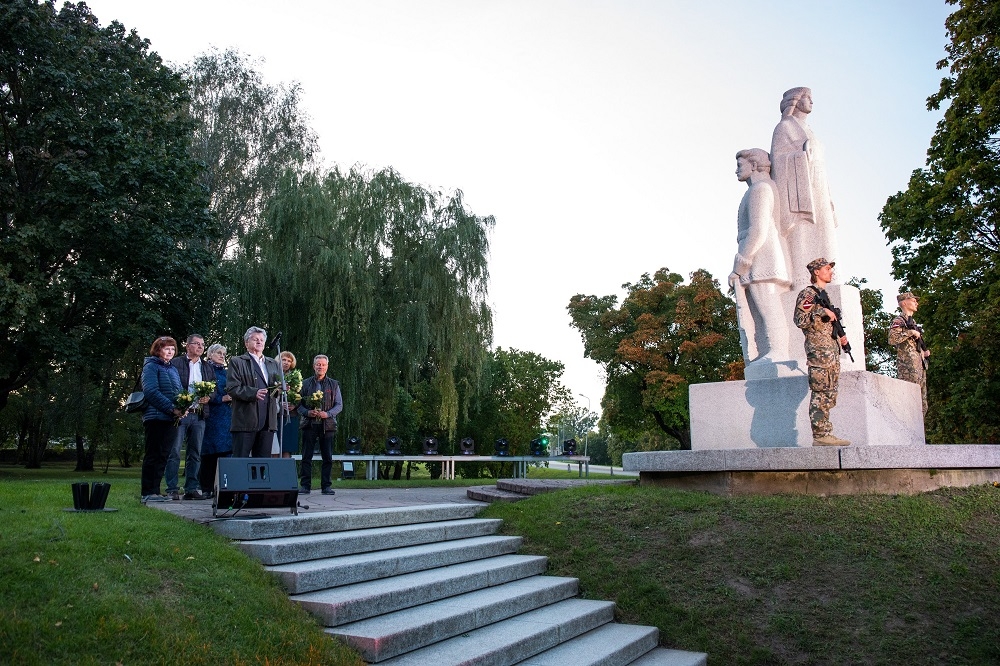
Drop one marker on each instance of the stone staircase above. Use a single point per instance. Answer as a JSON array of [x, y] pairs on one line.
[[433, 584], [515, 490]]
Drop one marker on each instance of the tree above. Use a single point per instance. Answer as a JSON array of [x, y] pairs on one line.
[[103, 219], [385, 277], [519, 390], [879, 356], [665, 336], [248, 134], [945, 232]]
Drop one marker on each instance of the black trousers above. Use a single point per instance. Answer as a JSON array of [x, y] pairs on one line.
[[209, 463], [253, 444], [311, 435], [160, 436]]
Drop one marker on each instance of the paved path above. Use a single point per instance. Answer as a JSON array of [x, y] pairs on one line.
[[345, 499]]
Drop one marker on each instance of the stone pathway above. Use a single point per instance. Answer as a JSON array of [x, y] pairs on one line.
[[346, 499]]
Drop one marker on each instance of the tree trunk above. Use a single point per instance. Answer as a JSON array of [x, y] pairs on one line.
[[84, 455], [37, 442]]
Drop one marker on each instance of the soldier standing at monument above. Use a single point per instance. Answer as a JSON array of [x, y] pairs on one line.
[[822, 351], [911, 350]]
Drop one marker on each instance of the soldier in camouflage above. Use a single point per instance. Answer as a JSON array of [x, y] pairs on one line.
[[911, 352], [822, 352]]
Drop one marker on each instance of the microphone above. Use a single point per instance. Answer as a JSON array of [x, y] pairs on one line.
[[274, 343]]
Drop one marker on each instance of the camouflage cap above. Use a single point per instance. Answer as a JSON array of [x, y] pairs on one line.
[[905, 295], [819, 263]]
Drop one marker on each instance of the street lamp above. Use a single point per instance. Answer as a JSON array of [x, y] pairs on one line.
[[586, 439]]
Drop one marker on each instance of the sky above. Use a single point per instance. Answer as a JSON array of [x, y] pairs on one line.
[[601, 135]]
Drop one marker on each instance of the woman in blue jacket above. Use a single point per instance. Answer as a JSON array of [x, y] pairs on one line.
[[218, 441], [160, 386]]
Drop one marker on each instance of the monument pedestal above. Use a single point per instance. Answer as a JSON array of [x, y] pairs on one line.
[[871, 410]]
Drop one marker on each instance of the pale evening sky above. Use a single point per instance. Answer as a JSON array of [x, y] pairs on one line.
[[600, 134]]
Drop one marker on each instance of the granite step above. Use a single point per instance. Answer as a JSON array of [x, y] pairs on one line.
[[493, 494], [386, 636], [358, 601], [299, 577], [515, 639], [283, 550], [340, 521], [609, 645]]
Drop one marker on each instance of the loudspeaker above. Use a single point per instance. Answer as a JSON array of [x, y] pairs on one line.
[[255, 483]]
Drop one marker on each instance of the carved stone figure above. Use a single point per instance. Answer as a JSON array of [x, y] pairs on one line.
[[759, 272], [808, 220]]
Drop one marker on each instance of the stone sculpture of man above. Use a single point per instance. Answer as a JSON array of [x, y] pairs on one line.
[[798, 167], [759, 271], [911, 351]]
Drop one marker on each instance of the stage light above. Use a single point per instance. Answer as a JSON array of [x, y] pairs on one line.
[[353, 446], [468, 446], [392, 447], [430, 447], [569, 447], [501, 447], [538, 447]]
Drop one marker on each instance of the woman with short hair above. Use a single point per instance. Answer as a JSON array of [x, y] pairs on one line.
[[160, 386], [218, 441]]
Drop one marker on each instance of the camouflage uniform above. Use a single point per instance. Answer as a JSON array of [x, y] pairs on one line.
[[909, 359], [822, 357]]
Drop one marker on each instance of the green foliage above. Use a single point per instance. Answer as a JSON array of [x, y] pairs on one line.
[[871, 579], [519, 389], [665, 336], [104, 228], [944, 230], [385, 277], [879, 356], [248, 134]]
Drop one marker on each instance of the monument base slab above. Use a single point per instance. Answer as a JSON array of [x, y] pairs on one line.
[[872, 410]]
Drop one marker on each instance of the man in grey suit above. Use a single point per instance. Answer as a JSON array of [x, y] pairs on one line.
[[255, 413]]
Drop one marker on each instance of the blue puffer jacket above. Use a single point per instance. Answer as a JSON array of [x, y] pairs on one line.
[[160, 386]]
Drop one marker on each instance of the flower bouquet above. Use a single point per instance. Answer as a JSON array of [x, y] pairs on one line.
[[203, 390], [315, 401], [183, 402], [293, 378]]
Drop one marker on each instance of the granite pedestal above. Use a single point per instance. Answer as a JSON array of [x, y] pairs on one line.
[[872, 410]]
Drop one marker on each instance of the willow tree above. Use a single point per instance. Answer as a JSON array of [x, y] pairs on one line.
[[385, 277]]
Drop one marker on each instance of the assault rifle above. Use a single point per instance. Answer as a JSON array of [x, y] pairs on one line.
[[823, 300], [921, 343]]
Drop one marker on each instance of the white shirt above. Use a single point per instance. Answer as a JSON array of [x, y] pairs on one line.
[[194, 372]]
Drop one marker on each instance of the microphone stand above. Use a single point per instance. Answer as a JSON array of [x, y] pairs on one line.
[[283, 402]]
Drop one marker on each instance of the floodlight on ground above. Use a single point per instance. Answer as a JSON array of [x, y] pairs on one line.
[[393, 447], [430, 447], [501, 447], [468, 446], [348, 472], [569, 447], [354, 446]]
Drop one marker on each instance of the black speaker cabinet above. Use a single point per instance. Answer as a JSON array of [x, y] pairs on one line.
[[255, 483]]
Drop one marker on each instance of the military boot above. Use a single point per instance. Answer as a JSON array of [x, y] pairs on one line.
[[830, 440]]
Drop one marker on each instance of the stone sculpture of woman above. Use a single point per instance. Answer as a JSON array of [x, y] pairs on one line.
[[798, 167]]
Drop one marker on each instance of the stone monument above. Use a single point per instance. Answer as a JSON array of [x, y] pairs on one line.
[[785, 220]]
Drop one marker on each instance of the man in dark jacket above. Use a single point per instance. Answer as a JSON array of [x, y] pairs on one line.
[[255, 411], [191, 368], [319, 423]]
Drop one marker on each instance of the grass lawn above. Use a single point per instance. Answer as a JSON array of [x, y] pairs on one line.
[[750, 580], [784, 580], [137, 586]]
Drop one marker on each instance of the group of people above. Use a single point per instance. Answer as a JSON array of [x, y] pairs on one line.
[[241, 417], [823, 349]]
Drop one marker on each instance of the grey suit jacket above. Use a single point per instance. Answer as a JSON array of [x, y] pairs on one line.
[[242, 382]]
